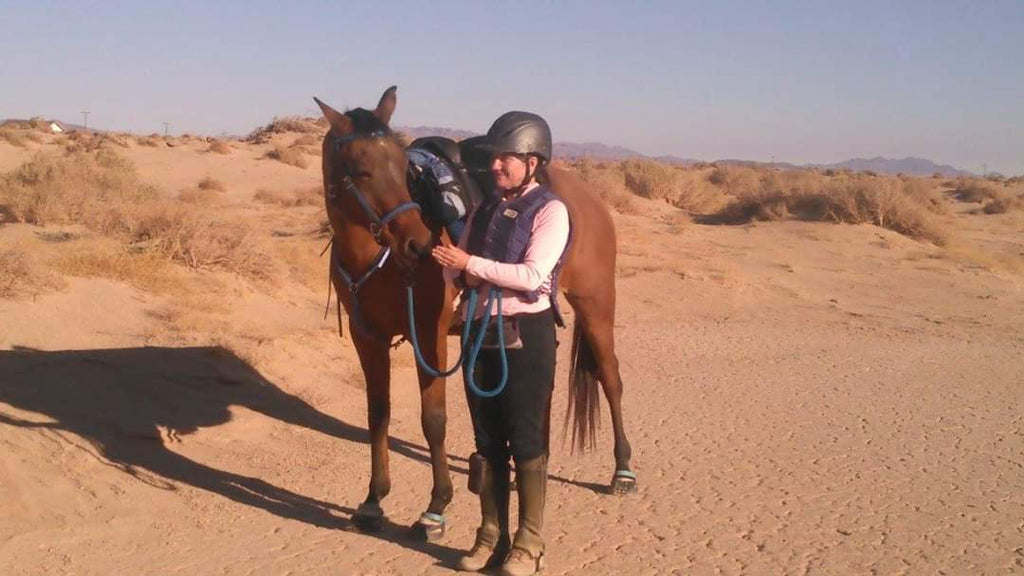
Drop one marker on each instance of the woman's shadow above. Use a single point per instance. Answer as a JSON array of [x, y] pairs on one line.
[[119, 400]]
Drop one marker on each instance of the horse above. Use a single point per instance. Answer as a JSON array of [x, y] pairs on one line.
[[381, 245]]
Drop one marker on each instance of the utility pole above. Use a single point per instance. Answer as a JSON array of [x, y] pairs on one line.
[[166, 124], [85, 119]]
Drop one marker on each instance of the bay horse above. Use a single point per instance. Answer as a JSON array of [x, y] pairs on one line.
[[381, 245]]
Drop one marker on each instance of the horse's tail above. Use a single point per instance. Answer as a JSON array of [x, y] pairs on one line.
[[583, 393]]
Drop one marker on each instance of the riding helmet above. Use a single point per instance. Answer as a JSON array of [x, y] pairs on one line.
[[520, 133]]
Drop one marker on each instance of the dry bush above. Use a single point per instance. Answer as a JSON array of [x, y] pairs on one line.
[[97, 189], [199, 241], [607, 182], [306, 140], [284, 125], [1004, 203], [696, 194], [884, 202], [145, 270], [973, 190], [735, 180], [685, 188], [650, 179], [152, 141], [21, 275], [311, 196], [13, 137], [219, 147], [208, 183], [103, 192], [288, 156], [1014, 181]]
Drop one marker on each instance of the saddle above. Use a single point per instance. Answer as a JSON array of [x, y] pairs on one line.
[[440, 184]]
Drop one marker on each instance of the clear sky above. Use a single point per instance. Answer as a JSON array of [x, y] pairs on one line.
[[815, 81]]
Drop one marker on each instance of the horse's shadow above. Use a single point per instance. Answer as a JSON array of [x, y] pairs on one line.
[[120, 401]]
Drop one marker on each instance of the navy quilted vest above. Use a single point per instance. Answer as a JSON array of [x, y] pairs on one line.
[[501, 229]]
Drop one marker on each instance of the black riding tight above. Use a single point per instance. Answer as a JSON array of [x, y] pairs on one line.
[[516, 422]]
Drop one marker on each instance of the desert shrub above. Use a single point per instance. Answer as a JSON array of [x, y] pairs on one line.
[[650, 179], [607, 183], [21, 275], [972, 190], [199, 241], [147, 270], [923, 192], [1003, 203], [289, 156], [735, 180], [306, 140], [284, 125], [219, 147], [96, 189], [152, 141], [883, 202], [311, 196], [13, 137], [1015, 180], [208, 183], [102, 191]]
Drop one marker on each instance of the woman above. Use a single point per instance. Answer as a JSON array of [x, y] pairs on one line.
[[515, 243]]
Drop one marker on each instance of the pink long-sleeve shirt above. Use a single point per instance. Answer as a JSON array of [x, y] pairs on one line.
[[548, 238]]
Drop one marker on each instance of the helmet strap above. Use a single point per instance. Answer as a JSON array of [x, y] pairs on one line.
[[527, 178]]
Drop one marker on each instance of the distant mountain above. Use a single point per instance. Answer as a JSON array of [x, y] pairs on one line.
[[676, 160], [910, 166], [414, 132], [594, 150]]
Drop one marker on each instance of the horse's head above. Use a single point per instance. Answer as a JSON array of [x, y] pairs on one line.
[[364, 168]]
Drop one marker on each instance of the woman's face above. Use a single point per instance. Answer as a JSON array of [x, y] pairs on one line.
[[510, 169]]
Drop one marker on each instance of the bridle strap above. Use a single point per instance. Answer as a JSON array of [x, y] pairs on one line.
[[377, 222]]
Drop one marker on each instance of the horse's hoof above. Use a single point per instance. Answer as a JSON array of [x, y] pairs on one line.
[[623, 482], [430, 527], [369, 517]]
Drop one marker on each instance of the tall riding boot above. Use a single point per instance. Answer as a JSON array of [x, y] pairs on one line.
[[527, 556], [492, 538]]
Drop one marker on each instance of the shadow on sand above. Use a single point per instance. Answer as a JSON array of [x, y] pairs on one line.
[[119, 400]]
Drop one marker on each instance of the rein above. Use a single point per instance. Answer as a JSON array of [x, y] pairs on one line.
[[465, 344]]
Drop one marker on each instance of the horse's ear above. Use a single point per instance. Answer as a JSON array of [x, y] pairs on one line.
[[386, 106], [338, 121]]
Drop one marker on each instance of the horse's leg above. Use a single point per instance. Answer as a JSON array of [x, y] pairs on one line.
[[433, 418], [596, 318], [375, 360]]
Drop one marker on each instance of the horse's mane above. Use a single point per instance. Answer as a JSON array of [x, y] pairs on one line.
[[366, 122]]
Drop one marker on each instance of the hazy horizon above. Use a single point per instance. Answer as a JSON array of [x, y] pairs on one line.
[[800, 82]]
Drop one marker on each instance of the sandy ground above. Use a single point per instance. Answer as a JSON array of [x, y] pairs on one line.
[[802, 398]]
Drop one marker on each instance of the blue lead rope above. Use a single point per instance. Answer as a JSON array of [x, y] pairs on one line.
[[464, 342]]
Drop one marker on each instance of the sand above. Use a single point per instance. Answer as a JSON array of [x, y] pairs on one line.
[[802, 398]]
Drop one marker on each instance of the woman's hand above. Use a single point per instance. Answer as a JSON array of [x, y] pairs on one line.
[[450, 257]]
